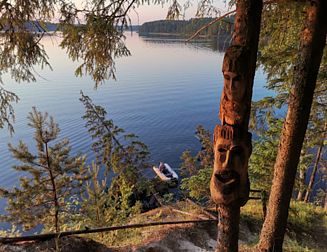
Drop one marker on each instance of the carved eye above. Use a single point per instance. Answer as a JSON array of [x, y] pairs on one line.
[[226, 77], [222, 150], [237, 78]]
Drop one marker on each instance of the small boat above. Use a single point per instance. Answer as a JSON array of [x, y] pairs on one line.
[[167, 174]]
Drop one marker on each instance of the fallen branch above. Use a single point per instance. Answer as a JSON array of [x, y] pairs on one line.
[[187, 213], [211, 209], [96, 230], [254, 198], [201, 208], [158, 199]]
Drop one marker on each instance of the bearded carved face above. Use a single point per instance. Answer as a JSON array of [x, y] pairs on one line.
[[229, 180]]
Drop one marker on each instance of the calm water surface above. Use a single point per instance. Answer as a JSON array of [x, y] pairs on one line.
[[164, 90]]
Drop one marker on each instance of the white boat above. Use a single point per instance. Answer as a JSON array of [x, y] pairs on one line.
[[167, 174]]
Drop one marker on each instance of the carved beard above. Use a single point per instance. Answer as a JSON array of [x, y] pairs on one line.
[[231, 112], [229, 181]]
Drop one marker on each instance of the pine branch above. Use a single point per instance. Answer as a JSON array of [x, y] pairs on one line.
[[209, 24]]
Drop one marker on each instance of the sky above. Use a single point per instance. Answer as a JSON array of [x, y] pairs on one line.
[[150, 12], [146, 13]]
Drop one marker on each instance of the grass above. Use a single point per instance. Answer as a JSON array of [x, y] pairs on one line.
[[136, 237], [306, 229]]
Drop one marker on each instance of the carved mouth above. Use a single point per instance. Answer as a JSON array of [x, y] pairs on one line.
[[229, 180]]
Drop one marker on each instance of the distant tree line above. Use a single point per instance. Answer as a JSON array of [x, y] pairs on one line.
[[187, 27], [47, 27]]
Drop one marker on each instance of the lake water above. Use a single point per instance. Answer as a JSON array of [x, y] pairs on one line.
[[163, 91]]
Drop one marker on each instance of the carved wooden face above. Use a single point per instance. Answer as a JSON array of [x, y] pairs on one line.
[[234, 88], [229, 180]]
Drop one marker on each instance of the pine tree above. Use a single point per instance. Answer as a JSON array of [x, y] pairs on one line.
[[197, 169], [312, 43], [264, 154], [94, 199], [122, 155], [53, 177], [278, 51]]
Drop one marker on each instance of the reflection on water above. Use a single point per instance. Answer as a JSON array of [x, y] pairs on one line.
[[213, 44], [164, 90]]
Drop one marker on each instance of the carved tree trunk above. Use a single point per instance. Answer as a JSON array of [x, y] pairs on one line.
[[229, 183], [304, 81], [315, 166]]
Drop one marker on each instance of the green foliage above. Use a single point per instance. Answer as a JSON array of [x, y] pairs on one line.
[[306, 227], [123, 161], [198, 184], [53, 177], [198, 169], [95, 199], [320, 197], [7, 115], [204, 158], [280, 30], [109, 150], [97, 43], [281, 27], [92, 34], [305, 217], [61, 193], [99, 208], [168, 198], [188, 166], [13, 232], [293, 245], [261, 164]]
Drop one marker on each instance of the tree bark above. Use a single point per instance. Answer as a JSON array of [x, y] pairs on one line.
[[54, 191], [228, 227], [302, 185], [315, 167], [246, 35], [301, 95]]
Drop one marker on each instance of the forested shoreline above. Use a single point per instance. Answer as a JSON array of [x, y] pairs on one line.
[[188, 27]]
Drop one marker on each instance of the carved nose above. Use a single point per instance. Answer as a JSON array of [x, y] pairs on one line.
[[227, 162], [233, 84]]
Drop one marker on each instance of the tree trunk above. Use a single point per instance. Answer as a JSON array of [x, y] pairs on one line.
[[315, 167], [302, 185], [234, 114], [228, 227], [54, 191], [301, 95]]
